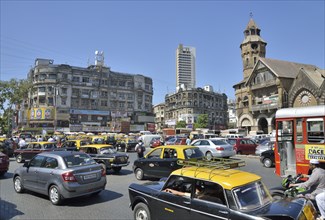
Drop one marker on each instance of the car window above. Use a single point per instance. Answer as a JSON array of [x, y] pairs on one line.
[[155, 153], [193, 153], [107, 150], [209, 191], [36, 146], [232, 142], [204, 142], [196, 143], [36, 161], [49, 146], [179, 183], [219, 142], [50, 163], [170, 153], [78, 160], [250, 142]]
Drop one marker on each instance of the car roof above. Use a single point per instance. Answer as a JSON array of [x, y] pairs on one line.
[[228, 179], [60, 153], [176, 146], [96, 145], [42, 142]]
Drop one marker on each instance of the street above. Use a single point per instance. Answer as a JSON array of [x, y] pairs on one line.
[[113, 203]]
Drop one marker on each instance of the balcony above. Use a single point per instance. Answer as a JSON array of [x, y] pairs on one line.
[[265, 107]]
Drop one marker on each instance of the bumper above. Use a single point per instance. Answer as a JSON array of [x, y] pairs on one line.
[[224, 153], [72, 190], [119, 164]]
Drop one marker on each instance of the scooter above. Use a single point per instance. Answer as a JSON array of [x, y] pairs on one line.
[[284, 191]]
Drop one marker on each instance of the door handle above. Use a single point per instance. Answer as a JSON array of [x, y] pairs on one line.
[[223, 212], [187, 202]]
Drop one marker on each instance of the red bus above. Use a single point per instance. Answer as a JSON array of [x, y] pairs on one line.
[[299, 138]]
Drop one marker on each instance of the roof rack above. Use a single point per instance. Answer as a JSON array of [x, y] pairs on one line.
[[217, 166]]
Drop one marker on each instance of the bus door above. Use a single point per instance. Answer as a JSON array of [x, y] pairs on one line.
[[286, 149]]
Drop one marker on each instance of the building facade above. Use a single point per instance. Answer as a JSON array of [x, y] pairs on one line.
[[270, 84], [91, 99], [185, 67], [187, 104]]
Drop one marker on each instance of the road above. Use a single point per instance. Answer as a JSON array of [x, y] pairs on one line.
[[113, 203]]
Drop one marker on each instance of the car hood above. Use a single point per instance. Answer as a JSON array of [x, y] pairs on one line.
[[151, 187], [284, 207]]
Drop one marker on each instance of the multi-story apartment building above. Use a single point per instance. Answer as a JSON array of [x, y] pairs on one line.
[[270, 84], [185, 67], [187, 104], [95, 98], [159, 111]]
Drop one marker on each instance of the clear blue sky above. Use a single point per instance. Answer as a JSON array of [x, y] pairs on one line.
[[141, 37]]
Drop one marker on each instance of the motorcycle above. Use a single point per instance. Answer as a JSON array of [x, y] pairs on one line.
[[284, 191]]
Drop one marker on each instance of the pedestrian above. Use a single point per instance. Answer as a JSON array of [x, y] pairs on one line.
[[320, 201], [188, 140], [140, 149], [22, 143]]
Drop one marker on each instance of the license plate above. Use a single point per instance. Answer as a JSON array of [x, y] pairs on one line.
[[90, 176]]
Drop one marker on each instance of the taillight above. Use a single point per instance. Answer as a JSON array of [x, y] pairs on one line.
[[220, 148], [69, 177], [103, 172]]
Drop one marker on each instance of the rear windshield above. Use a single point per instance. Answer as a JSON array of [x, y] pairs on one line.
[[219, 142], [193, 153], [74, 160]]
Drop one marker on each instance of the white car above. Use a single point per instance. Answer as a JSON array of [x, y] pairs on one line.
[[214, 148]]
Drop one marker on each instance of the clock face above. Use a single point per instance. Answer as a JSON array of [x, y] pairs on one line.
[[305, 98]]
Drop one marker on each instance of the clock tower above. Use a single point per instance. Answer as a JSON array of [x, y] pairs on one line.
[[252, 47]]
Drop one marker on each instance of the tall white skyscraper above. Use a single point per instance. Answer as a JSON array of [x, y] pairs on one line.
[[185, 67]]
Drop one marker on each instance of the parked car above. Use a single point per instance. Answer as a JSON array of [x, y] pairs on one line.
[[107, 156], [243, 145], [7, 147], [267, 158], [264, 146], [161, 161], [32, 149], [75, 143], [60, 175], [214, 148], [4, 163], [213, 191]]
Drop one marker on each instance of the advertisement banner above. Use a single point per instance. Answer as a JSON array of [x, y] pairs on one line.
[[315, 152], [42, 113]]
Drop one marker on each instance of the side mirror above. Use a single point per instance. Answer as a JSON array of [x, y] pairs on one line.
[[26, 164]]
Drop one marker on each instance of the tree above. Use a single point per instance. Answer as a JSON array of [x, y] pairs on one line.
[[12, 94], [202, 121], [181, 124]]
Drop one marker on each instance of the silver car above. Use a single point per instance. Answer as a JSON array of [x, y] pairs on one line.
[[214, 148], [60, 175], [264, 146]]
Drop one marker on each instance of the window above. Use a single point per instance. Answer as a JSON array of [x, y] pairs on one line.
[[155, 154], [36, 161], [209, 191], [315, 130], [50, 163], [64, 91], [75, 79], [85, 79], [299, 130]]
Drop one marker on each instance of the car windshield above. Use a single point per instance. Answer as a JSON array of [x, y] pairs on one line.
[[193, 153], [252, 196], [107, 150], [49, 146], [74, 160]]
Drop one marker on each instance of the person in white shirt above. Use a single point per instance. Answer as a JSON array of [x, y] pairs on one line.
[[22, 143], [320, 201]]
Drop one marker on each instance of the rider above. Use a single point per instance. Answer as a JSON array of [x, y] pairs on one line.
[[316, 179]]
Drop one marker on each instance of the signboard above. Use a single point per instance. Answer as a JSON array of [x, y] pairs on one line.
[[315, 152], [42, 113]]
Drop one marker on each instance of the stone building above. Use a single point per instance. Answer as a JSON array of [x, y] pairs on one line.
[[91, 99], [270, 84], [187, 104]]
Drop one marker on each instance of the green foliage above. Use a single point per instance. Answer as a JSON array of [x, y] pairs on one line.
[[202, 121], [181, 124]]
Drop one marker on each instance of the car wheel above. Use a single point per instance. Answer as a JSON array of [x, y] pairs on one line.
[[267, 162], [117, 169], [19, 158], [141, 212], [209, 155], [18, 186], [139, 174], [239, 152], [277, 195], [54, 195]]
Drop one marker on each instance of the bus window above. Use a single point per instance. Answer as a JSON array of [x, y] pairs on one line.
[[286, 130], [299, 130], [315, 130]]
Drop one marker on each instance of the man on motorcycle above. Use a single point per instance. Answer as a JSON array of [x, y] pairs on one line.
[[316, 180]]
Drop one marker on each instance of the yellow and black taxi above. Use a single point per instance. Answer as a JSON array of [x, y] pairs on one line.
[[75, 143], [161, 161], [127, 144], [107, 156], [32, 149], [213, 190]]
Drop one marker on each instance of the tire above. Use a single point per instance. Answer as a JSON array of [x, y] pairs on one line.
[[19, 158], [239, 152], [54, 195], [18, 186], [208, 155], [141, 212], [117, 169], [277, 195], [267, 162], [139, 175]]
